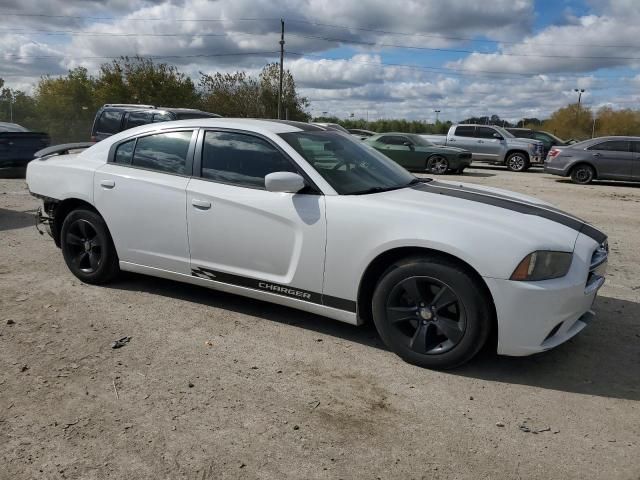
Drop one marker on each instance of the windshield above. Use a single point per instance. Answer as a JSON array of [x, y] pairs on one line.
[[347, 164], [420, 141]]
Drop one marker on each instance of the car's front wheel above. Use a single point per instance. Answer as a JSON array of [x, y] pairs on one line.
[[438, 165], [517, 162], [582, 174], [431, 312], [87, 247]]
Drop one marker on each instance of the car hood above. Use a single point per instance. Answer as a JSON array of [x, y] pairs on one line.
[[473, 209], [523, 142]]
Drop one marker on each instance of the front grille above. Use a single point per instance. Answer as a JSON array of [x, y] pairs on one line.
[[598, 265]]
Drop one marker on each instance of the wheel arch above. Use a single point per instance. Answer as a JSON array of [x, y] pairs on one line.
[[384, 260], [62, 209], [583, 162], [516, 150]]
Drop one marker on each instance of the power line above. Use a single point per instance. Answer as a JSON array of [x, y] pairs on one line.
[[151, 57], [321, 24], [454, 50]]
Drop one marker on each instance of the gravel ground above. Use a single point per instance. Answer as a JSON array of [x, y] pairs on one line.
[[217, 386]]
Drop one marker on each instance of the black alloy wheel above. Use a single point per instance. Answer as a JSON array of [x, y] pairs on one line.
[[432, 311], [427, 313], [84, 245], [87, 247]]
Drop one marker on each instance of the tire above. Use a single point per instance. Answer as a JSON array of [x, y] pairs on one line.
[[460, 171], [87, 247], [437, 165], [517, 162], [582, 174], [440, 334]]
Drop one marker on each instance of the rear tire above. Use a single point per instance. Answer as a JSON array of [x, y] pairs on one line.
[[517, 162], [431, 312], [87, 247], [460, 171], [582, 174]]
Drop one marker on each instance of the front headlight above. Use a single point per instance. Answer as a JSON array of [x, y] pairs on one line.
[[543, 265]]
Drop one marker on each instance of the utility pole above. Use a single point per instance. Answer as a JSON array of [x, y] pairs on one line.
[[281, 62], [580, 92], [437, 113]]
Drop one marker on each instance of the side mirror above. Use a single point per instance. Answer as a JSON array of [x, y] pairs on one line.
[[408, 144], [287, 182], [498, 136]]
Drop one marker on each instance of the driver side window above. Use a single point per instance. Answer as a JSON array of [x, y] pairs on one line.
[[394, 140], [241, 159]]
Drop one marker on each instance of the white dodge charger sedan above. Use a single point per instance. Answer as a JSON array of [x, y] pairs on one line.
[[308, 217]]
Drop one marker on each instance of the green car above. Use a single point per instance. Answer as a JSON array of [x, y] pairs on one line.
[[414, 152]]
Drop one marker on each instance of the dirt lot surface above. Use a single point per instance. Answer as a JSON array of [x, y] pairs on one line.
[[217, 386]]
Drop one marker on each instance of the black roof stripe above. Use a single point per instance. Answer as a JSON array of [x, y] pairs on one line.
[[501, 201]]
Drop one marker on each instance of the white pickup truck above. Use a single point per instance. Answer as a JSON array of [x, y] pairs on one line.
[[492, 144]]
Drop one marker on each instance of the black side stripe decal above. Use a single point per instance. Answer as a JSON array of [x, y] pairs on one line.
[[501, 201], [275, 288]]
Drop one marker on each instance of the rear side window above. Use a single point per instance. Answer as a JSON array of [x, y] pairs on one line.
[[162, 117], [124, 152], [485, 132], [240, 159], [611, 146], [465, 131], [394, 140], [135, 119], [635, 147], [163, 152], [109, 121]]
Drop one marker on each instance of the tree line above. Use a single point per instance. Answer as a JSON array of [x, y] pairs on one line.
[[65, 106]]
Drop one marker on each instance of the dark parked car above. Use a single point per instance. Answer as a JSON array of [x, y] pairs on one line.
[[17, 146], [548, 139], [115, 117], [413, 152], [604, 158]]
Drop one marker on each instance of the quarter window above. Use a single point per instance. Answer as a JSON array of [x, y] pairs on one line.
[[465, 131], [635, 147], [109, 121], [162, 117], [164, 152], [135, 119], [240, 159], [611, 146], [124, 152]]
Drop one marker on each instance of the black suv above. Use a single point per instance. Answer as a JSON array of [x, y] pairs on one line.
[[549, 140], [115, 117]]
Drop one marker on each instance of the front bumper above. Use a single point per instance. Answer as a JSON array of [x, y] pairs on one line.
[[537, 316]]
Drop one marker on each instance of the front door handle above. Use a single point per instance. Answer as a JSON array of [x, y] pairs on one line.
[[597, 155], [480, 141], [108, 184], [201, 204]]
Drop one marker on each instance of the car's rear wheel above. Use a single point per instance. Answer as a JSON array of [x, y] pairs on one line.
[[517, 162], [431, 312], [87, 247], [460, 171], [437, 164], [582, 174]]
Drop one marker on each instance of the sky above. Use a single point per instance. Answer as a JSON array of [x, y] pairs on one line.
[[367, 58]]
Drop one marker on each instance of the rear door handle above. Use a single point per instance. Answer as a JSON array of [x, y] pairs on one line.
[[480, 141], [108, 184], [452, 140], [597, 154], [201, 204]]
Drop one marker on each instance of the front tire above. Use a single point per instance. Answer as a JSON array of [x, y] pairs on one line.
[[87, 247], [431, 312], [517, 162], [582, 174], [437, 165]]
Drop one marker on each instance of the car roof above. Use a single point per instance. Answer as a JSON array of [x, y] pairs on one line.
[[11, 127]]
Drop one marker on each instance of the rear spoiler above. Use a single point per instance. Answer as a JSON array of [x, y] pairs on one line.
[[62, 149]]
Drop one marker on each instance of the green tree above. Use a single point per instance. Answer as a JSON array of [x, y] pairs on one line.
[[571, 122], [140, 80], [231, 95], [65, 106], [617, 122], [293, 106]]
